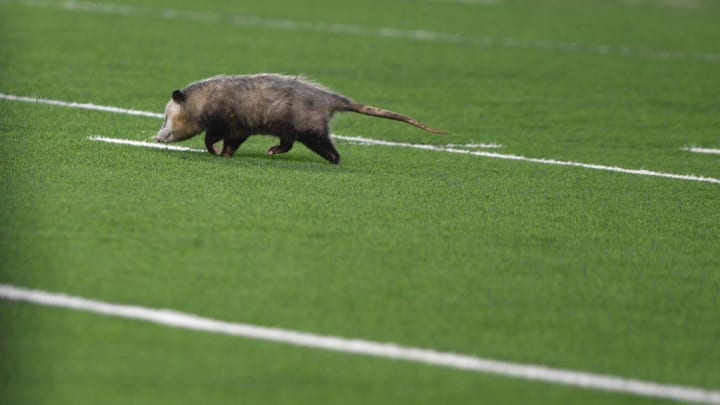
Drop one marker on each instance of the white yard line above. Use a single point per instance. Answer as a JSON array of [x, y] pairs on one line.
[[351, 29], [638, 172], [349, 139], [83, 106], [435, 148], [475, 145], [180, 320], [708, 151], [364, 141], [143, 144]]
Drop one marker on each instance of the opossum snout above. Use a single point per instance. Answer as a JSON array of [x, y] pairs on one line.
[[164, 136], [160, 137]]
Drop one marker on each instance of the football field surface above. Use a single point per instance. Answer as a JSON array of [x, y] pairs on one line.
[[561, 244]]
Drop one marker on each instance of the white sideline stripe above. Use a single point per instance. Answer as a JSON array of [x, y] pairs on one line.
[[475, 145], [383, 32], [639, 172], [434, 148], [367, 141], [180, 320], [363, 141], [349, 139], [84, 106], [702, 150], [143, 144]]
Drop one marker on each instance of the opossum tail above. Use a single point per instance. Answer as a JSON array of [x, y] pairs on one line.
[[379, 112]]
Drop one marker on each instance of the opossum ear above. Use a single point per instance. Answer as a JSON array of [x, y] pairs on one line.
[[178, 96]]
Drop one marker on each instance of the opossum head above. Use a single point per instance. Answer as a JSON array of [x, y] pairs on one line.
[[179, 124]]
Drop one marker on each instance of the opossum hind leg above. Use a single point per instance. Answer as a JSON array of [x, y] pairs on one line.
[[286, 143], [322, 145]]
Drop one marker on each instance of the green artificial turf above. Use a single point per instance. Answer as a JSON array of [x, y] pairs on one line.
[[516, 261]]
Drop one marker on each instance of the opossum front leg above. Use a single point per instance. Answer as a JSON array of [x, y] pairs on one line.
[[211, 138], [230, 145]]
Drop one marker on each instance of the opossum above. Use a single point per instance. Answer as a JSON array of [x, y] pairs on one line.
[[232, 108]]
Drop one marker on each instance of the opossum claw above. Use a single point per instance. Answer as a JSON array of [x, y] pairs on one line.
[[230, 146], [228, 149], [210, 142], [277, 149], [333, 157], [213, 150]]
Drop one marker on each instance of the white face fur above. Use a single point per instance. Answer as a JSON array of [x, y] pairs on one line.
[[166, 133]]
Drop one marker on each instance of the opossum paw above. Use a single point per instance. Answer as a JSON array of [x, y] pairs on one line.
[[333, 158], [276, 150], [213, 150]]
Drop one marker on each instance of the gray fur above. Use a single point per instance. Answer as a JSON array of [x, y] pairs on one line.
[[232, 108]]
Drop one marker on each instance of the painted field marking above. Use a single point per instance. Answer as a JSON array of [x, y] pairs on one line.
[[83, 106], [374, 142], [435, 148], [351, 29], [475, 145], [348, 139], [708, 151], [365, 141], [180, 320], [143, 144]]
